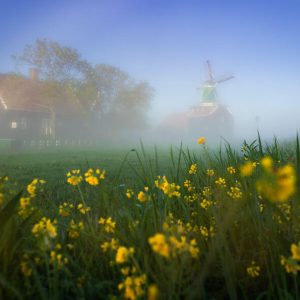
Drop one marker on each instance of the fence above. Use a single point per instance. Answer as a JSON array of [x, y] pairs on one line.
[[17, 144]]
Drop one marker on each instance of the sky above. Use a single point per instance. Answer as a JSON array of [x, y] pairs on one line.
[[167, 43]]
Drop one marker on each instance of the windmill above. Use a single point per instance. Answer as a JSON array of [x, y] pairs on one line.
[[209, 118], [209, 94]]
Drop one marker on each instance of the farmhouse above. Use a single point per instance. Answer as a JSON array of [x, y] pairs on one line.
[[28, 112]]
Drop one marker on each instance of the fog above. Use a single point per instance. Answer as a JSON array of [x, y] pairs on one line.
[[164, 45]]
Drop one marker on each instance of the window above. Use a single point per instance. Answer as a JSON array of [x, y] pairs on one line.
[[23, 123], [46, 127], [13, 125]]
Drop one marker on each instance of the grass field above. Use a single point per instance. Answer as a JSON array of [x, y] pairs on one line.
[[156, 224]]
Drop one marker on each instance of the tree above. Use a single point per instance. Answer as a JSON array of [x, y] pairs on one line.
[[122, 101], [53, 61], [104, 91], [60, 69]]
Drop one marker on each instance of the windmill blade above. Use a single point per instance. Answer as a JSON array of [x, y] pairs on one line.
[[224, 79], [211, 78]]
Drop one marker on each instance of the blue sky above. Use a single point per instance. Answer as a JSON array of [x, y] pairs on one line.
[[167, 43]]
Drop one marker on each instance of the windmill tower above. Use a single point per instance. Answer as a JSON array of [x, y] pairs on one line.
[[209, 93]]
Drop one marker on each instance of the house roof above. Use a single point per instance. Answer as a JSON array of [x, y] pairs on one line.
[[21, 93]]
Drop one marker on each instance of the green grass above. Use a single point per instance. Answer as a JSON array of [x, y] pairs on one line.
[[240, 231]]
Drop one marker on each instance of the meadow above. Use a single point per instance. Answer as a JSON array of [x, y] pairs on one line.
[[148, 223]]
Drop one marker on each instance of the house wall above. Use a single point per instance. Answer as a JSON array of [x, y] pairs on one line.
[[21, 124]]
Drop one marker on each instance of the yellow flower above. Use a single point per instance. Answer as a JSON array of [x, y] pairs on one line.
[[206, 192], [159, 245], [295, 249], [253, 270], [210, 172], [58, 258], [267, 163], [25, 269], [188, 184], [142, 197], [45, 227], [169, 189], [109, 224], [205, 204], [201, 140], [278, 186], [75, 229], [92, 180], [193, 169], [290, 265], [247, 169], [123, 254], [74, 180], [221, 181], [129, 193], [235, 193], [231, 170], [133, 287], [153, 292], [83, 209], [65, 209]]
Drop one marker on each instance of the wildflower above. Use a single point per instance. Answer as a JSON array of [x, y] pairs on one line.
[[247, 169], [188, 184], [45, 227], [65, 209], [75, 229], [159, 245], [83, 209], [210, 172], [295, 250], [279, 185], [193, 249], [142, 197], [92, 180], [201, 140], [290, 265], [253, 270], [113, 244], [129, 193], [153, 292], [74, 177], [58, 258], [231, 170], [267, 163], [221, 182], [169, 189], [123, 254], [204, 231], [206, 192], [25, 269], [235, 193], [32, 187], [100, 173], [205, 204], [109, 224], [93, 177], [133, 286], [193, 169], [24, 207]]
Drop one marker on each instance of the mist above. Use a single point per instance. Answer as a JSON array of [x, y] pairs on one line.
[[162, 48]]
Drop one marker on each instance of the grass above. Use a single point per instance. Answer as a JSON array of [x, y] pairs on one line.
[[189, 235]]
